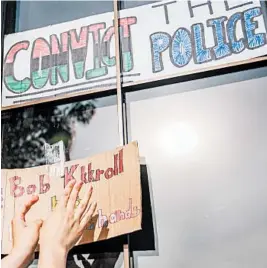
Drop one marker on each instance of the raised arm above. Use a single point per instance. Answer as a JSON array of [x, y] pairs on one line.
[[25, 237], [61, 231]]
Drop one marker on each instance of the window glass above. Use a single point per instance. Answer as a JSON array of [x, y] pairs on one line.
[[130, 4], [36, 14], [204, 146], [82, 126], [86, 128]]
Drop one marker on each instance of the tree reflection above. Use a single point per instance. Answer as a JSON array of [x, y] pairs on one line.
[[25, 132]]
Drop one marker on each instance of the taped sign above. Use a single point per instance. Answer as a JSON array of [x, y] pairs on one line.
[[158, 40], [55, 154], [115, 177]]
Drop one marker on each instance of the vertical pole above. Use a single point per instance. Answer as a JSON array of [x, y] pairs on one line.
[[126, 255], [118, 72]]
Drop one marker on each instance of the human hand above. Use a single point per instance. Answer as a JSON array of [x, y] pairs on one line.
[[65, 226], [25, 236]]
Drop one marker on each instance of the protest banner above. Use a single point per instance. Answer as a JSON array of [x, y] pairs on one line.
[[157, 41], [115, 177]]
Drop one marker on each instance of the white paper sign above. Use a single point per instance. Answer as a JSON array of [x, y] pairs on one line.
[[55, 154], [157, 40]]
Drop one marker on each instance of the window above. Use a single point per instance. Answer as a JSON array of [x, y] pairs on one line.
[[130, 4], [204, 145], [36, 14], [79, 125]]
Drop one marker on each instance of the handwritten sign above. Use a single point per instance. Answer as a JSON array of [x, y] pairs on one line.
[[157, 40], [115, 177]]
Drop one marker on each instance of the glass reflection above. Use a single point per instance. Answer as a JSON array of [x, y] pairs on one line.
[[26, 132], [178, 138], [36, 14]]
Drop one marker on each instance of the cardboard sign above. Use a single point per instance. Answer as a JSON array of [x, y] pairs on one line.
[[157, 40], [115, 177]]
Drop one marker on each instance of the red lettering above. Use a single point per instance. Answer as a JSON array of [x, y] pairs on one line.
[[90, 173], [108, 34], [95, 30], [113, 218], [109, 173], [44, 187], [55, 46], [81, 40], [137, 212], [12, 53], [16, 190], [102, 219], [128, 213], [40, 48], [121, 161], [122, 215], [69, 174], [125, 24], [98, 174], [83, 175], [116, 171], [31, 189]]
